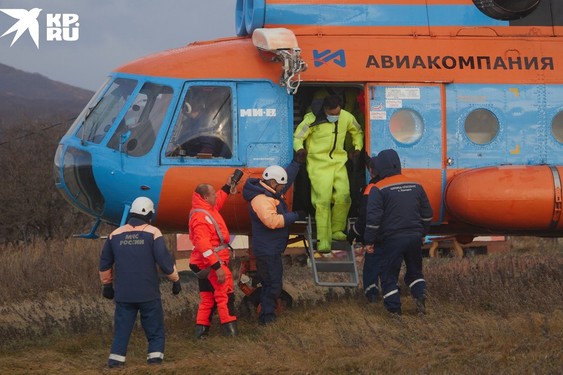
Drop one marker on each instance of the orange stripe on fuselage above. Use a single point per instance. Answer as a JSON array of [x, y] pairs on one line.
[[201, 61]]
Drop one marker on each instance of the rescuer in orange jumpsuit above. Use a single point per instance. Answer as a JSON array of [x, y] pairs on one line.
[[210, 259]]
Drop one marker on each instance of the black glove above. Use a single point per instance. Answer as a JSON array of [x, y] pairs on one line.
[[352, 235], [301, 156], [176, 287], [301, 215], [108, 291]]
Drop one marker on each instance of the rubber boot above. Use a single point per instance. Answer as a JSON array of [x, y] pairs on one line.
[[339, 215], [201, 331], [230, 329], [324, 234]]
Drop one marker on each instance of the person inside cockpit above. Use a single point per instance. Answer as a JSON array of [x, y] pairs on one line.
[[204, 126]]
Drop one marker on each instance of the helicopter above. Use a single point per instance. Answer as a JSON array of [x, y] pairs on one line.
[[468, 92]]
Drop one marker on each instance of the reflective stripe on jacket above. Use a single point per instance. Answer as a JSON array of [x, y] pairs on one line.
[[203, 234]]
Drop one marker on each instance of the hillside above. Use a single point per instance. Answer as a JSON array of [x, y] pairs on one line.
[[33, 97]]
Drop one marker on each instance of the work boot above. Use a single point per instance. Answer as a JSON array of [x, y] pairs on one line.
[[201, 331], [154, 361], [230, 329], [112, 363], [372, 297], [395, 314], [421, 306]]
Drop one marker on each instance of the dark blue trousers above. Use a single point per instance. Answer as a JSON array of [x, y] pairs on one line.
[[371, 274], [270, 271], [152, 321], [395, 251]]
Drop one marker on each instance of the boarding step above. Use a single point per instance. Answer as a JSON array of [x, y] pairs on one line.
[[337, 268]]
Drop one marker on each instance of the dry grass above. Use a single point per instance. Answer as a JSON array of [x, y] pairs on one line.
[[487, 314]]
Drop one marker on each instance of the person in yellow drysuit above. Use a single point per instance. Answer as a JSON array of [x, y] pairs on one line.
[[353, 101], [319, 139]]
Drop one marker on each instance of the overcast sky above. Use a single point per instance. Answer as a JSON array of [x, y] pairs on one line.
[[111, 32]]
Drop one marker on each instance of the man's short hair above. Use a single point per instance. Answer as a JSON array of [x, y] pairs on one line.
[[332, 101], [203, 189]]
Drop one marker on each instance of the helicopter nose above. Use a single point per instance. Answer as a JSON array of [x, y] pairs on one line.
[[74, 178]]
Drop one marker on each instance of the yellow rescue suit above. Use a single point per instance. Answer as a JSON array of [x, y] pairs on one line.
[[326, 166]]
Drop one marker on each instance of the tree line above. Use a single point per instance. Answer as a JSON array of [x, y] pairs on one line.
[[31, 205]]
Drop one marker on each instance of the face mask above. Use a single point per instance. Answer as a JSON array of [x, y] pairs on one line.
[[332, 118]]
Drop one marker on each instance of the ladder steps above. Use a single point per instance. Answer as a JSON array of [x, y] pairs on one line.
[[335, 267], [338, 269]]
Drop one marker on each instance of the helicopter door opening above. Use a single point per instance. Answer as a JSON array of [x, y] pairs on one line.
[[309, 98], [409, 118]]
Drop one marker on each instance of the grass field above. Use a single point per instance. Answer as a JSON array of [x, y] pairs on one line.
[[500, 314]]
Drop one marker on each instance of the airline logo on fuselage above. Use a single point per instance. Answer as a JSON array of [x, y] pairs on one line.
[[323, 57]]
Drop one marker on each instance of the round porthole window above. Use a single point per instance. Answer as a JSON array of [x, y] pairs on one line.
[[507, 9], [481, 126], [557, 127], [406, 126]]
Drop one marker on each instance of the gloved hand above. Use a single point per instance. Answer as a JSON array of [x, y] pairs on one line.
[[176, 287], [301, 215], [301, 156], [351, 236], [354, 154], [108, 291]]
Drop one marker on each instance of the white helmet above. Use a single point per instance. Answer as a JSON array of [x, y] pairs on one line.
[[142, 206], [275, 172]]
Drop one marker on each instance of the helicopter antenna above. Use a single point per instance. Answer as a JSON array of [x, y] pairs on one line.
[[283, 45]]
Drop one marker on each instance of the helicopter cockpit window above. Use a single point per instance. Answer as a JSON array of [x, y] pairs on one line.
[[481, 126], [99, 117], [137, 131], [204, 128]]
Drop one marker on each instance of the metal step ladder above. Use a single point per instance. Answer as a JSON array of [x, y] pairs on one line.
[[337, 268]]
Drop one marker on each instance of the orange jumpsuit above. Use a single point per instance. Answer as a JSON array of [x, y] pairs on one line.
[[210, 252]]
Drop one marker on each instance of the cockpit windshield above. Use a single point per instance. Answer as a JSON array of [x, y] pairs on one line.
[[137, 131], [204, 128], [99, 117]]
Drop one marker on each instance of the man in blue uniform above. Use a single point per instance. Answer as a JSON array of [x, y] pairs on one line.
[[271, 219], [398, 216], [128, 261], [372, 259]]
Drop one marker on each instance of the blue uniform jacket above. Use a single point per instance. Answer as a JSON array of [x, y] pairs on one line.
[[397, 206], [269, 214], [129, 258]]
